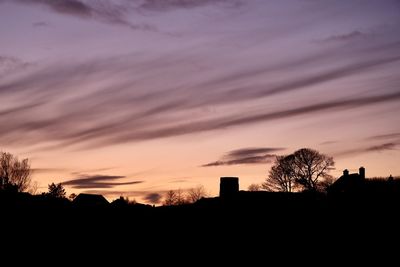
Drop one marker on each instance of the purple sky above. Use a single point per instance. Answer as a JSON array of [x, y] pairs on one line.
[[151, 95]]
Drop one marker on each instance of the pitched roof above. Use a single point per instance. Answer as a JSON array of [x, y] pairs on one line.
[[347, 183], [90, 200]]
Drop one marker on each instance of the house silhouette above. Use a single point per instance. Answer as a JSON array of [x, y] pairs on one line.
[[355, 187], [90, 200], [349, 183]]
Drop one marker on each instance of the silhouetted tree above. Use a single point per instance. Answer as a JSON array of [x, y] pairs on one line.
[[254, 187], [195, 194], [305, 168], [170, 198], [326, 183], [33, 188], [120, 202], [14, 173], [56, 190], [125, 201], [281, 176], [180, 197], [174, 198], [310, 168], [72, 196], [132, 202]]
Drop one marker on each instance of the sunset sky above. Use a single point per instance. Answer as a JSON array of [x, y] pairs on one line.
[[136, 97]]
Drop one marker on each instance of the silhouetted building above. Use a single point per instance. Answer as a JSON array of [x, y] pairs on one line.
[[228, 186], [90, 200], [348, 183]]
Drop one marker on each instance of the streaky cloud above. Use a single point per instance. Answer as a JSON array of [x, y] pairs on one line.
[[344, 37], [328, 143], [9, 64], [70, 7], [163, 5], [241, 161], [330, 75], [382, 147], [97, 181], [344, 104], [47, 170], [385, 136], [240, 120], [153, 198], [40, 24], [131, 108], [245, 152], [369, 149], [107, 12], [243, 156], [19, 109]]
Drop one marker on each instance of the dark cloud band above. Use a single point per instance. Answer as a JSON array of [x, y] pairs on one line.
[[97, 181], [254, 155], [107, 12]]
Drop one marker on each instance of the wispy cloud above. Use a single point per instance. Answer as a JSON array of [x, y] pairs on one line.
[[40, 24], [47, 170], [105, 11], [18, 109], [328, 143], [120, 130], [180, 180], [115, 12], [153, 198], [251, 151], [385, 136], [246, 156], [9, 64], [104, 115], [161, 5], [343, 104], [382, 147], [344, 37], [71, 7], [240, 120], [369, 149], [96, 170], [247, 160], [97, 181]]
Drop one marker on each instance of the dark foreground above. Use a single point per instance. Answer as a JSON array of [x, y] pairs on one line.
[[291, 215]]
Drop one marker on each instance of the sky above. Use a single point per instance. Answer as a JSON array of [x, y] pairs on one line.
[[137, 97]]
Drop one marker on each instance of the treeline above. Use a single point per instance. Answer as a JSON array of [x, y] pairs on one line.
[[305, 170]]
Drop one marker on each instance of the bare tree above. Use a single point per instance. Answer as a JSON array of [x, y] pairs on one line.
[[195, 194], [56, 190], [180, 197], [254, 187], [170, 198], [310, 168], [305, 168], [173, 198], [281, 176], [326, 183], [33, 188], [14, 173]]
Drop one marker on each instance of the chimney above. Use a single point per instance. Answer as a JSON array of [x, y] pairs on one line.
[[346, 172], [228, 186], [362, 172]]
